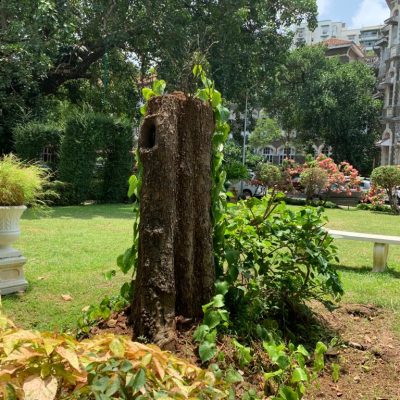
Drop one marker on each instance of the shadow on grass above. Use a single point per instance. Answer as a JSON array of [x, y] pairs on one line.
[[368, 271], [113, 211]]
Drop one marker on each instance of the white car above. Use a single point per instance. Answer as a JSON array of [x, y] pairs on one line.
[[247, 188]]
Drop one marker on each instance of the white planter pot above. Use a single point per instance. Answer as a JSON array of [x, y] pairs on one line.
[[11, 261], [9, 226]]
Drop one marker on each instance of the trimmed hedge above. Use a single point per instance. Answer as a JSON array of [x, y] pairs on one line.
[[31, 139], [96, 159]]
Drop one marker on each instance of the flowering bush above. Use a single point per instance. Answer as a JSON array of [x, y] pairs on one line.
[[375, 196], [342, 177]]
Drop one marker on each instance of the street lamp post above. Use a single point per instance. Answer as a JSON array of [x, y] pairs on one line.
[[244, 142]]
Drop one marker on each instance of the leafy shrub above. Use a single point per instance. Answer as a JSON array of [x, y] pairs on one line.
[[270, 175], [235, 170], [20, 183], [275, 260], [374, 207], [313, 180], [292, 375], [388, 177], [31, 139], [341, 177], [45, 366], [296, 201]]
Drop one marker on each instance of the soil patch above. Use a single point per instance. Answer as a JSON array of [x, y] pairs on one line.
[[367, 352], [364, 346]]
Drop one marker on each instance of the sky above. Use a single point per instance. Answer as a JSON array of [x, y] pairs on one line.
[[356, 13]]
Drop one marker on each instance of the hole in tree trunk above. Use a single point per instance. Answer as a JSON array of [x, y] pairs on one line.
[[149, 136]]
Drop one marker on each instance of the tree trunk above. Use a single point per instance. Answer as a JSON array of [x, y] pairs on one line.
[[175, 273]]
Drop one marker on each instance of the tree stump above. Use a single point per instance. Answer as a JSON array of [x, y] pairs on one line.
[[175, 273]]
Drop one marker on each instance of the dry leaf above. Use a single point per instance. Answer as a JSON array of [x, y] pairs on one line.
[[66, 297], [40, 278], [70, 356], [85, 309], [35, 388]]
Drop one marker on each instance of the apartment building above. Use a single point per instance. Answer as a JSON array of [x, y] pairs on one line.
[[327, 29], [388, 50]]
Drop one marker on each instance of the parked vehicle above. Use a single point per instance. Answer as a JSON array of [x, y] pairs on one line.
[[247, 188]]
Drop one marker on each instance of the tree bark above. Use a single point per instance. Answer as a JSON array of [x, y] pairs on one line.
[[175, 273]]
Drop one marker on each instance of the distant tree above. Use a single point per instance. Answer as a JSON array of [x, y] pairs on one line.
[[323, 100], [313, 180], [266, 131], [270, 176], [388, 178]]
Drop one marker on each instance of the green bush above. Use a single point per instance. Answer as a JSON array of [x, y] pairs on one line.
[[277, 259], [388, 177], [96, 159], [374, 207], [78, 157], [33, 137], [313, 180], [270, 175], [117, 144]]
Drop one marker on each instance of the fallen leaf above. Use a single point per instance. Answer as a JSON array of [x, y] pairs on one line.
[[111, 323], [66, 297], [40, 278], [35, 388], [85, 309]]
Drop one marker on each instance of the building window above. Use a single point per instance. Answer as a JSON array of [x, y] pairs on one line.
[[325, 29], [48, 154], [268, 154], [286, 152], [325, 150]]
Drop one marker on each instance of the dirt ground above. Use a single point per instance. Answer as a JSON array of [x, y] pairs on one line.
[[365, 349], [368, 353]]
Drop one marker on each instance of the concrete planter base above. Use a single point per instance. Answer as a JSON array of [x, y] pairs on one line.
[[12, 278]]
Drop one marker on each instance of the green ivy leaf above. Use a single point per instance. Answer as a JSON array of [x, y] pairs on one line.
[[218, 301], [147, 93], [222, 287], [216, 98], [233, 376], [299, 375], [223, 113], [143, 109], [201, 332], [288, 393], [159, 87], [270, 375], [212, 319], [138, 381], [207, 351], [133, 183], [197, 70]]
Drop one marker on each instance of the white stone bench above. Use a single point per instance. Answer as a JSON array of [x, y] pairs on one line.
[[381, 245]]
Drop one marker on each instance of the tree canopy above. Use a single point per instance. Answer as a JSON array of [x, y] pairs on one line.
[[48, 43], [326, 101]]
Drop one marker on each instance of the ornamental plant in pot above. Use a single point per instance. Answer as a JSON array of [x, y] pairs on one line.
[[20, 185]]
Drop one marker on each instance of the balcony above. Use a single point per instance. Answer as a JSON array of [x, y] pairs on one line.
[[392, 21], [382, 71], [388, 112], [395, 51]]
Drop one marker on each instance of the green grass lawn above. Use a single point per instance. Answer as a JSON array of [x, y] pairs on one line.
[[360, 284], [69, 250]]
